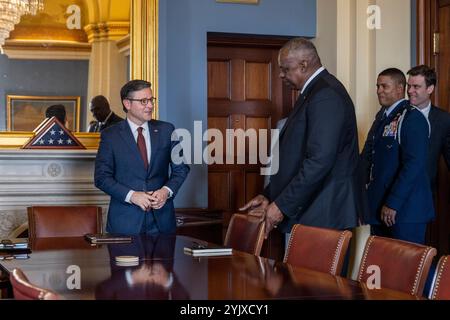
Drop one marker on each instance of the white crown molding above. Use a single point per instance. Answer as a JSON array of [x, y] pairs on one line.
[[39, 50]]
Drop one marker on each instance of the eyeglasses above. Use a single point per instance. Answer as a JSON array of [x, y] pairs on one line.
[[144, 101]]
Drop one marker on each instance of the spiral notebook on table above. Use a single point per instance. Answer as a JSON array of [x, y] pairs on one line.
[[98, 238]]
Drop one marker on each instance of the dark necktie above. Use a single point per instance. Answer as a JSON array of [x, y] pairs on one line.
[[379, 122], [142, 147]]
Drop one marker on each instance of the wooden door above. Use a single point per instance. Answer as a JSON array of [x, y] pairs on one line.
[[433, 23], [244, 92]]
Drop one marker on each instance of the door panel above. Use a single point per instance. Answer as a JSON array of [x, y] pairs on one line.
[[244, 92], [257, 81], [219, 79], [250, 107], [218, 186]]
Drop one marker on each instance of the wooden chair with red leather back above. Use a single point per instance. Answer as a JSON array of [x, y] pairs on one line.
[[63, 221], [403, 265], [441, 284], [24, 290], [245, 233], [318, 249]]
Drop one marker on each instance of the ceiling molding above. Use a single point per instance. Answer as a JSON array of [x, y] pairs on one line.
[[40, 50]]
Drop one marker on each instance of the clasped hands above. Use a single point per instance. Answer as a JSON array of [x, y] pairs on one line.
[[150, 199], [259, 206], [151, 274]]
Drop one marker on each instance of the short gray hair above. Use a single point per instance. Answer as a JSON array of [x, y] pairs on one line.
[[305, 46]]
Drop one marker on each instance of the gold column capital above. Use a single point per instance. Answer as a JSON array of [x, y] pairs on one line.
[[111, 30], [144, 44]]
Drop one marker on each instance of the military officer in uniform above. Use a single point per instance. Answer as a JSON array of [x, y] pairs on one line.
[[395, 159]]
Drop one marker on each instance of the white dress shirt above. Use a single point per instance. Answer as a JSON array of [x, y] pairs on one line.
[[315, 74], [146, 133], [426, 110]]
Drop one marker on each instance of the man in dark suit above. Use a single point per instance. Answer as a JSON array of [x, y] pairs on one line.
[[132, 166], [395, 156], [102, 112], [421, 84], [318, 150]]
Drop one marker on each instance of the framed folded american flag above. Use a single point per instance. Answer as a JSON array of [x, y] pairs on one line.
[[25, 113]]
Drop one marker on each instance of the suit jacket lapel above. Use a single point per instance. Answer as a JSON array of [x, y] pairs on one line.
[[154, 139], [299, 104], [432, 118]]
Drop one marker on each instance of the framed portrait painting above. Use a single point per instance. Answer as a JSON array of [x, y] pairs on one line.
[[25, 113]]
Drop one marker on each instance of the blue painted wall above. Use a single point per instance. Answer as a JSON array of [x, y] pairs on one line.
[[182, 59], [42, 78]]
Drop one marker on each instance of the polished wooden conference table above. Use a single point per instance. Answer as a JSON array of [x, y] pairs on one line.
[[75, 269]]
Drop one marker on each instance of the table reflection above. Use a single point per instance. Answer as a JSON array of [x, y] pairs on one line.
[[151, 278], [282, 281]]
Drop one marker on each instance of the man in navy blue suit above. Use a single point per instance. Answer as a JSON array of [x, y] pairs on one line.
[[421, 84], [132, 166], [395, 157]]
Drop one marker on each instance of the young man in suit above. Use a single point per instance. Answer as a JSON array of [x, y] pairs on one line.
[[395, 156], [132, 166], [318, 150], [421, 84], [102, 113]]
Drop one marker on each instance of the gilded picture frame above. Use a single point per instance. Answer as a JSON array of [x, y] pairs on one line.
[[239, 1], [25, 113]]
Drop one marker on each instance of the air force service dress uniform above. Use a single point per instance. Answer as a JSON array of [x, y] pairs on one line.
[[396, 153]]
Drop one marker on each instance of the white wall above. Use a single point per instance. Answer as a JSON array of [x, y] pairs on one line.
[[356, 54], [326, 35]]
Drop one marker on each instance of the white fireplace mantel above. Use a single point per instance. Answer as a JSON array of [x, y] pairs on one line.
[[45, 177]]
